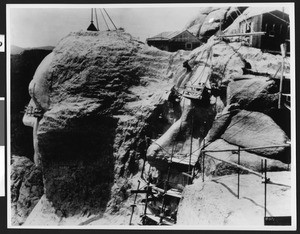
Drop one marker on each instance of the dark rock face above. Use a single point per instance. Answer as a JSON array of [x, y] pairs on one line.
[[102, 88], [26, 188], [23, 66]]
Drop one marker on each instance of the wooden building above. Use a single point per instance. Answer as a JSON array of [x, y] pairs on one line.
[[173, 41], [274, 23]]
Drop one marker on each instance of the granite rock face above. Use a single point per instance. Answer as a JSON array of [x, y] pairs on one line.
[[99, 91], [105, 95], [26, 188], [211, 19]]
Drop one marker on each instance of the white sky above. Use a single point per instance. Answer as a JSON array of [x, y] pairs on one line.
[[33, 27]]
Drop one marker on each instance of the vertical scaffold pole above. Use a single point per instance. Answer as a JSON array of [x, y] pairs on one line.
[[238, 192], [191, 147], [146, 202], [133, 205], [203, 155], [283, 53], [265, 188]]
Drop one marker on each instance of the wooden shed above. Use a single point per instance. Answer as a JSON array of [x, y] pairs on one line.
[[276, 25], [173, 41]]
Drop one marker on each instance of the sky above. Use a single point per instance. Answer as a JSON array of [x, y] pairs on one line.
[[34, 27]]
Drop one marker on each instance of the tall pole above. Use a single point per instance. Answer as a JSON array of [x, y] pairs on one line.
[[265, 188], [203, 155], [191, 146], [238, 193], [283, 53], [146, 202], [133, 206], [96, 19]]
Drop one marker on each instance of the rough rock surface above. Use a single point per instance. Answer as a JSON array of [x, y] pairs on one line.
[[23, 67], [201, 203], [103, 89], [107, 94], [211, 19], [227, 65], [247, 159], [254, 129], [255, 94], [26, 188]]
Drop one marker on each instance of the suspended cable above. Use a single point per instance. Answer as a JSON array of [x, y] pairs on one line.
[[96, 19], [278, 18], [110, 18], [104, 20]]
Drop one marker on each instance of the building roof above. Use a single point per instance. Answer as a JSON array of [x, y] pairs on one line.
[[254, 11], [251, 12], [165, 36]]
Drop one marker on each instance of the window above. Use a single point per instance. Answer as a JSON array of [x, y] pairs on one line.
[[188, 46]]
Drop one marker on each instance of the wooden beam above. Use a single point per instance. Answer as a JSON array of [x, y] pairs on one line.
[[244, 34], [237, 166], [245, 149], [186, 174]]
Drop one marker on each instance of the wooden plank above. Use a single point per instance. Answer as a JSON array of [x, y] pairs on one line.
[[245, 149], [157, 219], [195, 86], [173, 194], [185, 161], [287, 106], [186, 174], [286, 94], [238, 166], [243, 34], [158, 189], [139, 191]]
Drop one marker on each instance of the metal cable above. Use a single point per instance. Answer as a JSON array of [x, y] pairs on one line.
[[96, 19], [104, 19], [110, 18]]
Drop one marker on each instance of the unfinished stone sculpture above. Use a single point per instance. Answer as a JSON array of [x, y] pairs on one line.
[[39, 103]]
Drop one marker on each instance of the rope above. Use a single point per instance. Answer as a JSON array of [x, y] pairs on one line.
[[104, 20], [96, 19], [110, 18]]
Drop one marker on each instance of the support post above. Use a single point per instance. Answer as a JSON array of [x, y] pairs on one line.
[[146, 202], [144, 163], [203, 155], [283, 53], [238, 193], [133, 206], [191, 146], [265, 189]]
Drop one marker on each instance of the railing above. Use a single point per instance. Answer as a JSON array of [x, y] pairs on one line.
[[275, 220]]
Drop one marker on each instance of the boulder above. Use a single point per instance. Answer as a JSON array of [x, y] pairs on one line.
[[213, 22], [254, 129], [26, 188], [249, 160], [254, 94], [214, 203]]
